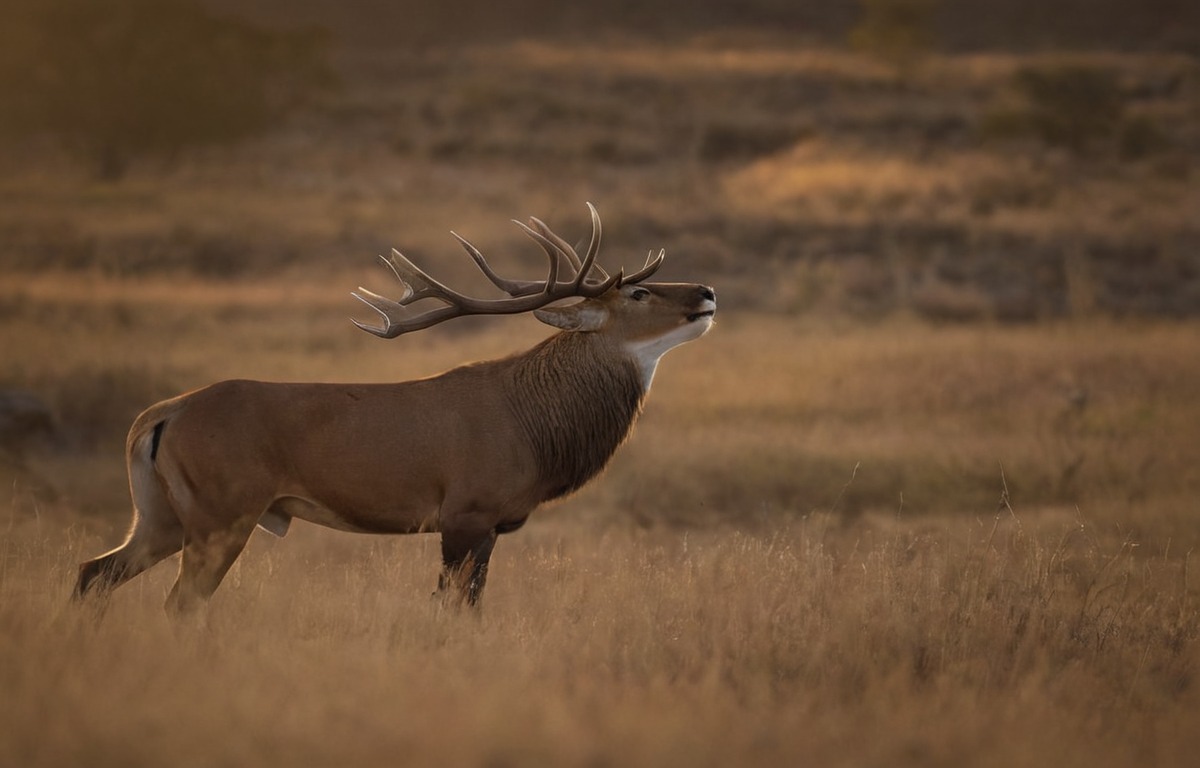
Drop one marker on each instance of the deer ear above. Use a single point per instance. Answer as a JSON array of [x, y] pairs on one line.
[[581, 316]]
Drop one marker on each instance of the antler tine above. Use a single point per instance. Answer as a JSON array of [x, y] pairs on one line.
[[552, 272], [390, 263], [653, 262], [578, 285], [589, 260], [553, 253], [597, 289], [418, 285], [594, 245], [569, 251], [398, 318], [417, 282], [380, 304], [560, 245], [511, 287]]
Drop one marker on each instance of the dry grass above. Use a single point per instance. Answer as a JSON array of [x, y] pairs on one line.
[[987, 642]]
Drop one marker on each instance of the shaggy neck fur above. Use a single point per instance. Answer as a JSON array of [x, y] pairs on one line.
[[576, 394]]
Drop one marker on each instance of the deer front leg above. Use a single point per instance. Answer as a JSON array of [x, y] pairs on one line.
[[465, 556]]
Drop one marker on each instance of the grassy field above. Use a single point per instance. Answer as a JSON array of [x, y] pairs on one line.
[[983, 642], [894, 545], [926, 495]]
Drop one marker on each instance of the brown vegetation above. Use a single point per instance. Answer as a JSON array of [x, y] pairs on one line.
[[964, 191], [984, 641], [972, 543]]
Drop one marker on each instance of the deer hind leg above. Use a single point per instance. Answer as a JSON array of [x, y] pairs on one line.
[[465, 557], [147, 544], [156, 534], [207, 557]]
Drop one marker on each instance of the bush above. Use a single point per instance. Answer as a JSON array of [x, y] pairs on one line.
[[723, 142], [116, 80], [900, 32], [1070, 105], [1139, 137]]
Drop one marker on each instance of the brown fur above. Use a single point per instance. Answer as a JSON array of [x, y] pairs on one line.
[[574, 414]]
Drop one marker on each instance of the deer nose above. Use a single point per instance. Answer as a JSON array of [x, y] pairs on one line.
[[707, 293]]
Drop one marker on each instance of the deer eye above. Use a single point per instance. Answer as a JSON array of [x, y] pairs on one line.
[[639, 294]]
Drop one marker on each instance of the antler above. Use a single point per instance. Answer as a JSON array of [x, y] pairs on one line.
[[524, 295]]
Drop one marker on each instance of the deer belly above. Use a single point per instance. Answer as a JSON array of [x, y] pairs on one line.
[[401, 519]]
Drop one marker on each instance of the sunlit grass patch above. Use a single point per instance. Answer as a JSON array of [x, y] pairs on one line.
[[622, 646]]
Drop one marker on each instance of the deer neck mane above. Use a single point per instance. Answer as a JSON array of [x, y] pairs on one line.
[[576, 395]]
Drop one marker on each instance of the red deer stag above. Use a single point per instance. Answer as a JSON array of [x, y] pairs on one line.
[[468, 453]]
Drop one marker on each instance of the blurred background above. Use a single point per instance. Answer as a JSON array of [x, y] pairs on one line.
[[188, 190], [1019, 161]]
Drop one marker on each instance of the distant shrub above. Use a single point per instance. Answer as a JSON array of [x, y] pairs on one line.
[[941, 301], [899, 32], [1005, 121], [724, 142], [124, 78], [87, 405], [1140, 136], [25, 422], [1071, 105]]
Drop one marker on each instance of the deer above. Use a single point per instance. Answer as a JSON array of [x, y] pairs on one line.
[[467, 454]]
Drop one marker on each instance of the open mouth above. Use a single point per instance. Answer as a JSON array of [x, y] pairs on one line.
[[697, 315]]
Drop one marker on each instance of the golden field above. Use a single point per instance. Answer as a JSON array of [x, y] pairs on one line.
[[885, 643], [926, 494], [894, 545]]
